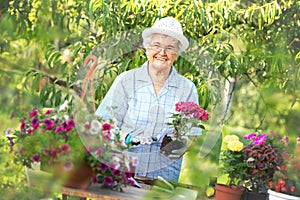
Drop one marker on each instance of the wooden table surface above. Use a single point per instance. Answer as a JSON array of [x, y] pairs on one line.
[[43, 181]]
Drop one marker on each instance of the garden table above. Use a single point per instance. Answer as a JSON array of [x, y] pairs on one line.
[[44, 181], [97, 192]]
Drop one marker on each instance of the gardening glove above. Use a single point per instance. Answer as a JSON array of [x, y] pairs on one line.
[[137, 137]]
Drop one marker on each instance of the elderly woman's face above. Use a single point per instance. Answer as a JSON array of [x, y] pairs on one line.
[[162, 51]]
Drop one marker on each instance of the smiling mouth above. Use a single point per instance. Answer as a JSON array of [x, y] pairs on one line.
[[161, 59]]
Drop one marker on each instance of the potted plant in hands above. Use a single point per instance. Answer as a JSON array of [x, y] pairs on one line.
[[263, 158], [286, 181], [231, 163], [188, 116]]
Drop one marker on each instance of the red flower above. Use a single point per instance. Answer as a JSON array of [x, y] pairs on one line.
[[106, 127]]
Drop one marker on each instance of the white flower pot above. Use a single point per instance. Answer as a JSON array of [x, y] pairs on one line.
[[280, 196]]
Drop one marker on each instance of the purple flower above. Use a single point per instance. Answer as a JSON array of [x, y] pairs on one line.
[[35, 123], [67, 126], [108, 180], [49, 124], [260, 139], [260, 165], [71, 123], [116, 172], [36, 158], [250, 136], [103, 167]]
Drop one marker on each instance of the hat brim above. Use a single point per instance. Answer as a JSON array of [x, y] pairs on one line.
[[181, 38]]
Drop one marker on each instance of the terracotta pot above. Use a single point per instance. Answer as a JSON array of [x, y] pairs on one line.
[[224, 192], [280, 196], [78, 177]]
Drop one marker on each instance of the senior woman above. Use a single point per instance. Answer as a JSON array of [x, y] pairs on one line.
[[145, 97]]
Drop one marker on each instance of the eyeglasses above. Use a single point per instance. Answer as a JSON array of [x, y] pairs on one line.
[[168, 49]]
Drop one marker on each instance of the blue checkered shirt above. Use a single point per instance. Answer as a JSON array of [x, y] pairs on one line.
[[139, 110]]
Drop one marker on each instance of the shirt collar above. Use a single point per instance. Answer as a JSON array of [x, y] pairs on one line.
[[144, 76]]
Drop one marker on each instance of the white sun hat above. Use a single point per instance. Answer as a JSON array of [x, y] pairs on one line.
[[168, 26]]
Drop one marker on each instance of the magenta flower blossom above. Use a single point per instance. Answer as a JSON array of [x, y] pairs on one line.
[[22, 126], [36, 158], [33, 113], [108, 180], [106, 127], [28, 131], [103, 167], [35, 123], [59, 129], [68, 125], [49, 124], [99, 151], [48, 112], [260, 139], [250, 136], [65, 148], [71, 123]]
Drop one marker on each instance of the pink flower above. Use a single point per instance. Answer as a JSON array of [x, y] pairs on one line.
[[65, 148], [260, 139], [22, 126], [49, 124], [59, 129], [35, 123], [99, 151], [33, 113], [106, 126], [48, 112]]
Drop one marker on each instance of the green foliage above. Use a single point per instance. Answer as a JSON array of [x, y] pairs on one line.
[[44, 44]]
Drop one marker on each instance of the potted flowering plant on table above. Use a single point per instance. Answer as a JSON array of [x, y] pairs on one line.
[[188, 116], [49, 137], [253, 166], [263, 158], [286, 181], [231, 163]]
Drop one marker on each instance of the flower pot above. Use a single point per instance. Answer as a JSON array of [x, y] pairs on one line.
[[280, 196], [224, 192], [168, 145], [248, 195], [78, 177]]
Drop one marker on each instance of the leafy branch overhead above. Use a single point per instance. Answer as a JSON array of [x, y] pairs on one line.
[[252, 42]]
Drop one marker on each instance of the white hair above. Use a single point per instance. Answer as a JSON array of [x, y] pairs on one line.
[[147, 40]]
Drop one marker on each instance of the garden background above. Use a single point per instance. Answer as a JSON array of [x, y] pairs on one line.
[[244, 59]]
